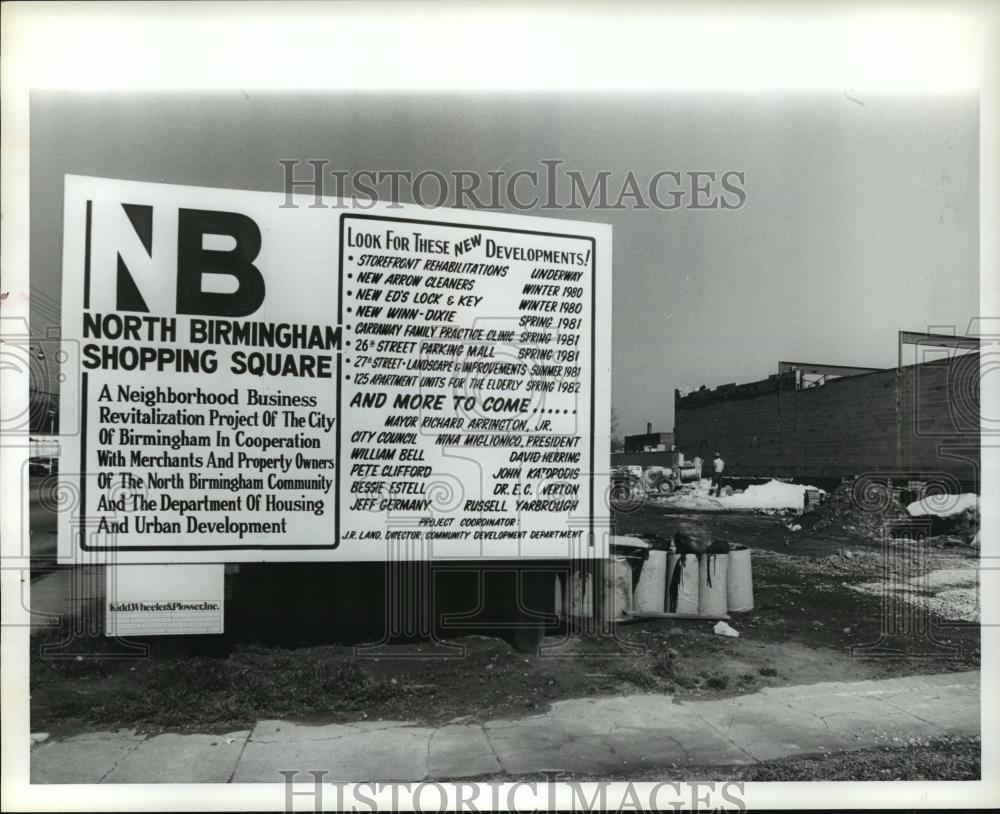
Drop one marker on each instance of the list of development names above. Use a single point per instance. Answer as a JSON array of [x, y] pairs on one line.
[[467, 369]]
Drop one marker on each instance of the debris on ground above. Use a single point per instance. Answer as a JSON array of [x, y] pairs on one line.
[[951, 593], [722, 629], [778, 644], [954, 515], [943, 505], [771, 496], [863, 511], [947, 581]]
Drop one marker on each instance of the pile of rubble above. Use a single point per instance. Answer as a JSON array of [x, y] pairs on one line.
[[955, 516], [859, 509]]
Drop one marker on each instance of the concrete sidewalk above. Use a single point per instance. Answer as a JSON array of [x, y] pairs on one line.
[[599, 736]]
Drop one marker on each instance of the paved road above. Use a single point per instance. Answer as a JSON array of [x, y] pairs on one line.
[[599, 736]]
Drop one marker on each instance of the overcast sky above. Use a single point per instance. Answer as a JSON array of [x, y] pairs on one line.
[[861, 215]]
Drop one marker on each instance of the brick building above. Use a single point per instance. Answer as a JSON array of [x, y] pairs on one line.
[[649, 441], [919, 421]]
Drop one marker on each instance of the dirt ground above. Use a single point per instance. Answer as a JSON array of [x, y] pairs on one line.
[[809, 625]]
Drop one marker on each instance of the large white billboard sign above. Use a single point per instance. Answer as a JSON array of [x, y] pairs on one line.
[[258, 377]]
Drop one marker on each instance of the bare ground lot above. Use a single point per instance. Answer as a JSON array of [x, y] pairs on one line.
[[806, 621]]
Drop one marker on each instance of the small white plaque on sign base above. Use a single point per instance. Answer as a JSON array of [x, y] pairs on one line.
[[162, 600]]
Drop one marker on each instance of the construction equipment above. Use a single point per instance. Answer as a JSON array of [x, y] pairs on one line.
[[632, 481], [664, 480]]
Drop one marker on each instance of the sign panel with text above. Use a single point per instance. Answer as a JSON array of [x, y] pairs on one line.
[[258, 378], [165, 600]]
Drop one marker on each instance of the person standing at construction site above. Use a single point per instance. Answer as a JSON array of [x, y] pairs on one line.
[[718, 467]]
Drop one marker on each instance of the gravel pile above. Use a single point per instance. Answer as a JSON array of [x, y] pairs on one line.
[[952, 594], [946, 567]]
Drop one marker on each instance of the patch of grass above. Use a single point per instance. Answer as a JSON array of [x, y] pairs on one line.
[[663, 666], [687, 682], [253, 683], [934, 759], [64, 651], [718, 682], [53, 666], [768, 671], [640, 676]]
